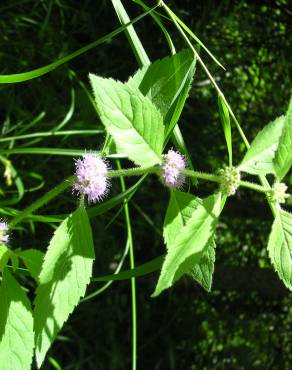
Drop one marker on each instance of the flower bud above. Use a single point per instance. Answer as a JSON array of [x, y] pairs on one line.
[[278, 192]]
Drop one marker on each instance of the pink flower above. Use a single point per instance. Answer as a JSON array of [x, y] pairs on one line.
[[173, 163], [91, 177], [4, 237]]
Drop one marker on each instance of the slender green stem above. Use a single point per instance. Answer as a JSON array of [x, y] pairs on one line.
[[201, 175], [181, 31], [52, 133], [43, 200], [253, 186], [215, 178], [133, 280], [174, 18], [136, 171]]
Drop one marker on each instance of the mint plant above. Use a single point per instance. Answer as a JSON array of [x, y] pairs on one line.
[[141, 119]]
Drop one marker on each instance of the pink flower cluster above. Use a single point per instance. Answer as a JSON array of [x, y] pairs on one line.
[[4, 237], [173, 163], [91, 177]]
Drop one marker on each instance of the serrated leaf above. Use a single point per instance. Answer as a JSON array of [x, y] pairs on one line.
[[258, 160], [163, 80], [179, 211], [167, 83], [33, 259], [283, 156], [280, 246], [16, 326], [192, 241], [65, 274], [203, 271], [132, 119]]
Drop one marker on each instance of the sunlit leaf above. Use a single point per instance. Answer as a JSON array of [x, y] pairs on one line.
[[33, 259], [283, 156], [180, 209], [193, 240], [280, 246], [131, 118], [64, 276], [16, 326], [258, 159]]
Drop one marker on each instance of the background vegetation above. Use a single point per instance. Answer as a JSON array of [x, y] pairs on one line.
[[245, 322]]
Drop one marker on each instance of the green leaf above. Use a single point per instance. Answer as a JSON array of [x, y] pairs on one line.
[[33, 259], [225, 120], [16, 326], [4, 256], [167, 83], [191, 243], [64, 276], [280, 246], [133, 38], [180, 209], [203, 271], [163, 80], [133, 121], [283, 156], [258, 160]]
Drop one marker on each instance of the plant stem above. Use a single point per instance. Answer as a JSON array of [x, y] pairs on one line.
[[201, 175], [253, 186], [196, 174], [136, 171], [133, 280], [173, 16]]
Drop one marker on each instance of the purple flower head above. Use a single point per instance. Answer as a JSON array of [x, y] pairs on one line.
[[4, 237], [173, 163], [91, 177]]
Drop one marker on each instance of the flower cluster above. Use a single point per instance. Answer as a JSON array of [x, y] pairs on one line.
[[278, 192], [4, 237], [229, 180], [91, 177], [173, 163]]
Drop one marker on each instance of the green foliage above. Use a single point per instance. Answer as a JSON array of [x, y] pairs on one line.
[[33, 259], [65, 274], [4, 256], [283, 156], [203, 271], [258, 159], [16, 326], [259, 70], [179, 212], [225, 120], [133, 121], [280, 246], [163, 80], [193, 240]]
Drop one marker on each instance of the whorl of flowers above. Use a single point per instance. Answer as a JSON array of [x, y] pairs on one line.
[[278, 192], [229, 180], [173, 163], [91, 177], [4, 237]]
